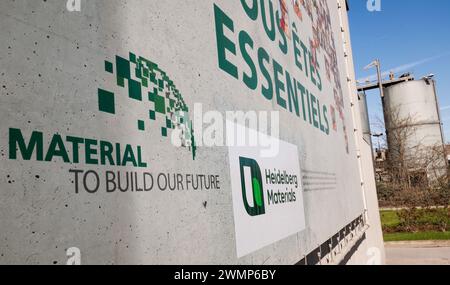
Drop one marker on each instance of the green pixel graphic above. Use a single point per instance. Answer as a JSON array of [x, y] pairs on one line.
[[146, 81]]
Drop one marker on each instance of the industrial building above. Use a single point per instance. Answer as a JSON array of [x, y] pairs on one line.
[[415, 139]]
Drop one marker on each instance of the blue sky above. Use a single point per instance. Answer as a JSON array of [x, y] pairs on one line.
[[407, 36]]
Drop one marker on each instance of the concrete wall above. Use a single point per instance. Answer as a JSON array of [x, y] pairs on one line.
[[371, 250], [56, 67]]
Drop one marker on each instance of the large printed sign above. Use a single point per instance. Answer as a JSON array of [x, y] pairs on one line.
[[267, 194], [112, 141]]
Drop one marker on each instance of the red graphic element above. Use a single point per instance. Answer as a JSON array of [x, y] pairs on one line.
[[284, 21], [297, 10], [333, 117]]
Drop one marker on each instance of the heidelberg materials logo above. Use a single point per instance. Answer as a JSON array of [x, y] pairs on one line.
[[147, 82], [265, 190], [258, 207], [281, 187]]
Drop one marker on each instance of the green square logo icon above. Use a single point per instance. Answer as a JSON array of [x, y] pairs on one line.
[[141, 125], [106, 101]]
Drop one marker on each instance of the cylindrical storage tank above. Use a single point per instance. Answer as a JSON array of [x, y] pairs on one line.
[[364, 114], [414, 130]]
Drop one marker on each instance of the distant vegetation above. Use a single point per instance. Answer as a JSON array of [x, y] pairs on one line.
[[422, 210], [416, 220], [414, 180], [416, 224], [414, 173], [393, 195]]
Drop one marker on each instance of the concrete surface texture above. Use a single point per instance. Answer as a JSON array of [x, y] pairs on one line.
[[74, 86], [418, 253]]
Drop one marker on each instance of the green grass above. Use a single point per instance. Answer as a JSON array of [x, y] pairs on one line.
[[417, 236], [389, 218]]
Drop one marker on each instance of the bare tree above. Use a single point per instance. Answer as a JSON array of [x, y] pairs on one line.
[[411, 160], [416, 170]]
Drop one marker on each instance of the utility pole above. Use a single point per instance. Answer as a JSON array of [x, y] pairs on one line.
[[380, 79], [376, 63]]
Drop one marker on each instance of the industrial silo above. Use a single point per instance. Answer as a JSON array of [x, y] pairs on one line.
[[414, 130], [364, 115]]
